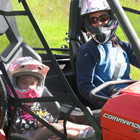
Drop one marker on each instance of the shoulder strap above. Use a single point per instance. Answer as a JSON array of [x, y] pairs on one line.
[[117, 68]]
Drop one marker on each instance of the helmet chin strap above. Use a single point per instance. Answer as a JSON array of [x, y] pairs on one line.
[[99, 39]]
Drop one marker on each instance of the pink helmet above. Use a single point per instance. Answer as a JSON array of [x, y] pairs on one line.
[[28, 66]]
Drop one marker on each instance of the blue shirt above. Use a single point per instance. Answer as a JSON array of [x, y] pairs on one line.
[[96, 63]]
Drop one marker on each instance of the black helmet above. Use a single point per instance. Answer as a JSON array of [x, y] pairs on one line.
[[100, 34]]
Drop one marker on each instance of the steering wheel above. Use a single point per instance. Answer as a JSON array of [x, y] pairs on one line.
[[106, 84]]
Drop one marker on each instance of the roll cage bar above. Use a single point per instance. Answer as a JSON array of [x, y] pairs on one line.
[[126, 26]]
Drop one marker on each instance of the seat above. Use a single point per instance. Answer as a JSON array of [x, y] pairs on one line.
[[16, 47], [55, 105]]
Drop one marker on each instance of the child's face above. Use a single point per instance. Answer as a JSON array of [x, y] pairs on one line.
[[25, 81]]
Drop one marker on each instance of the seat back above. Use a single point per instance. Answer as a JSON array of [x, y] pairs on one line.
[[77, 37], [16, 47], [49, 105]]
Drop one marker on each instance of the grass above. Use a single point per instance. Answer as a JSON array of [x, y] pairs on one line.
[[135, 21], [52, 16]]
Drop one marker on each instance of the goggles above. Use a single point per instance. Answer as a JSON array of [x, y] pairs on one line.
[[102, 18]]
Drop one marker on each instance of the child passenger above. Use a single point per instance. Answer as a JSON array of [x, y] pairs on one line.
[[27, 76]]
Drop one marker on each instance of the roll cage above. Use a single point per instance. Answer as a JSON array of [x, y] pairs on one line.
[[67, 105]]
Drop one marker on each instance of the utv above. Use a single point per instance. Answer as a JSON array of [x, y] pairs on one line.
[[118, 119]]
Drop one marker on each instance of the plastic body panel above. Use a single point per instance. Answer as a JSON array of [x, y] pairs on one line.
[[120, 117]]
